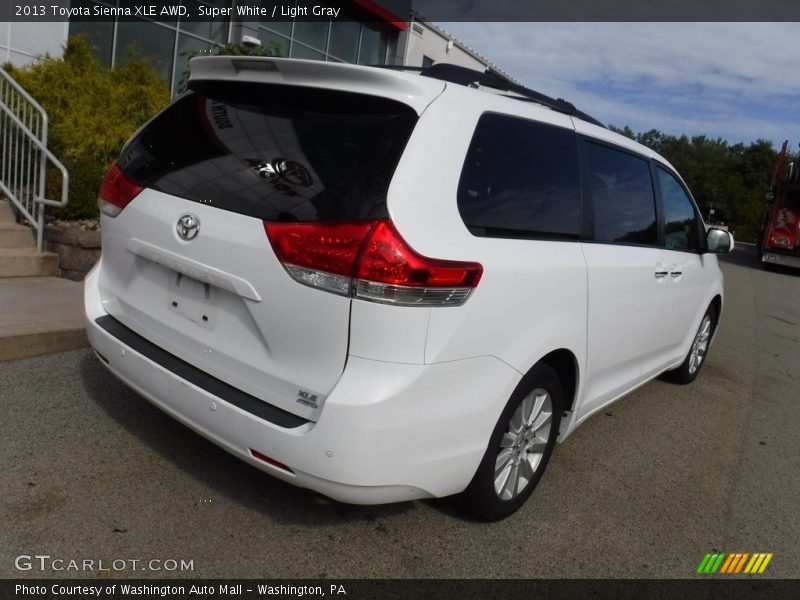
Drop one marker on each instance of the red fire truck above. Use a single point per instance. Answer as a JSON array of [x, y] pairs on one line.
[[780, 231]]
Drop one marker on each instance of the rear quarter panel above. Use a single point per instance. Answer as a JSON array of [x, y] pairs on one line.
[[532, 297]]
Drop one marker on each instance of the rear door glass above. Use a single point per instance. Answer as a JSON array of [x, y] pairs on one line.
[[622, 195], [274, 152], [521, 179]]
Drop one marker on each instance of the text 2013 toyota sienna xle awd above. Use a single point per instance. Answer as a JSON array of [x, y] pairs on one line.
[[383, 285]]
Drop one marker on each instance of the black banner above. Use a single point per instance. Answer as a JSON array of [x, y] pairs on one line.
[[710, 588], [388, 10]]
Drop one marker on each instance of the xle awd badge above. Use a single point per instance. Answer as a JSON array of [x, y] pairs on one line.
[[307, 399], [188, 227]]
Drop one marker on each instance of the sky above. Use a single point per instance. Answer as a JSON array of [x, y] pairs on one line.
[[737, 81]]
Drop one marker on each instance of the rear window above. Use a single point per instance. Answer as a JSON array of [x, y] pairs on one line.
[[277, 153]]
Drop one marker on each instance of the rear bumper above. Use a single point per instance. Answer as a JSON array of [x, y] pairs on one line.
[[786, 260], [389, 432]]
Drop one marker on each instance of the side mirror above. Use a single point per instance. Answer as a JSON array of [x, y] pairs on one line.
[[719, 241]]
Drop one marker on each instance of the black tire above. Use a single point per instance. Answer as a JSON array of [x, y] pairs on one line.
[[687, 373], [482, 499]]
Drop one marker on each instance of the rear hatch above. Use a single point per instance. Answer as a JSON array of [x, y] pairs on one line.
[[187, 262]]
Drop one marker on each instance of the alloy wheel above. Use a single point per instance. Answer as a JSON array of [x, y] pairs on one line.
[[700, 345], [523, 445]]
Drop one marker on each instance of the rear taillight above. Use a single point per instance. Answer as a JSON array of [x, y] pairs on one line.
[[319, 255], [369, 260], [116, 192], [390, 271]]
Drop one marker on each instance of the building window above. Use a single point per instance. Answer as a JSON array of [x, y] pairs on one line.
[[374, 43], [100, 37], [216, 31], [313, 34], [427, 62], [167, 44], [188, 47], [344, 40], [146, 39], [341, 40]]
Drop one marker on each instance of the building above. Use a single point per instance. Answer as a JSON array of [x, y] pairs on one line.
[[427, 44], [21, 43], [367, 34]]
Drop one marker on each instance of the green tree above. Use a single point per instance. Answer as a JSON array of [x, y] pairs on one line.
[[730, 179], [626, 131], [653, 139], [758, 164], [93, 111]]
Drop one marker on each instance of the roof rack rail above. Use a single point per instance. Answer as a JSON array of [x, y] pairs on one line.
[[494, 80]]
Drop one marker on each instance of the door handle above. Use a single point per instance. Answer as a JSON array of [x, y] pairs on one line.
[[661, 274], [675, 274]]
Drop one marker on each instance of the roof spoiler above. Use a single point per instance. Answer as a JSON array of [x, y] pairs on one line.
[[413, 91]]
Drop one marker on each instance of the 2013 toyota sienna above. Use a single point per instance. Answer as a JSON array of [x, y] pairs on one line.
[[385, 285]]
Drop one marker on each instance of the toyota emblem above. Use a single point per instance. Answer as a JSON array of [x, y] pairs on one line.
[[188, 227]]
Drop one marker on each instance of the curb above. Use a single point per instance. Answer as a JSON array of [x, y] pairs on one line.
[[40, 315], [27, 345]]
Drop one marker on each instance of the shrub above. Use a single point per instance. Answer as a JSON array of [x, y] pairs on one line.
[[93, 111]]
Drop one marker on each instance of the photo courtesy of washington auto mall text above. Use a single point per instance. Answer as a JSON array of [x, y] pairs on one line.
[[170, 589], [400, 299]]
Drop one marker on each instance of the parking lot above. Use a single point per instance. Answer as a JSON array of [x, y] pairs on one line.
[[644, 489]]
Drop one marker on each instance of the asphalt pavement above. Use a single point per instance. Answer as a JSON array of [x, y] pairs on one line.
[[91, 471]]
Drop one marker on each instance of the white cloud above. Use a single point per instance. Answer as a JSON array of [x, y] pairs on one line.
[[740, 81]]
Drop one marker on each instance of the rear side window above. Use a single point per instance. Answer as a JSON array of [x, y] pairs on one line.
[[521, 179], [622, 196], [274, 152], [680, 219]]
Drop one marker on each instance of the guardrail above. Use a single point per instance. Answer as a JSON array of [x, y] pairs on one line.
[[25, 160]]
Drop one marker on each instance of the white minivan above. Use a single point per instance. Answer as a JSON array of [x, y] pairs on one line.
[[384, 285]]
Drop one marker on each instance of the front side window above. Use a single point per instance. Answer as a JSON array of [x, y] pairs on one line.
[[680, 218], [521, 179], [622, 193]]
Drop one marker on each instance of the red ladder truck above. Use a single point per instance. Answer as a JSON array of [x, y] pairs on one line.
[[780, 232]]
